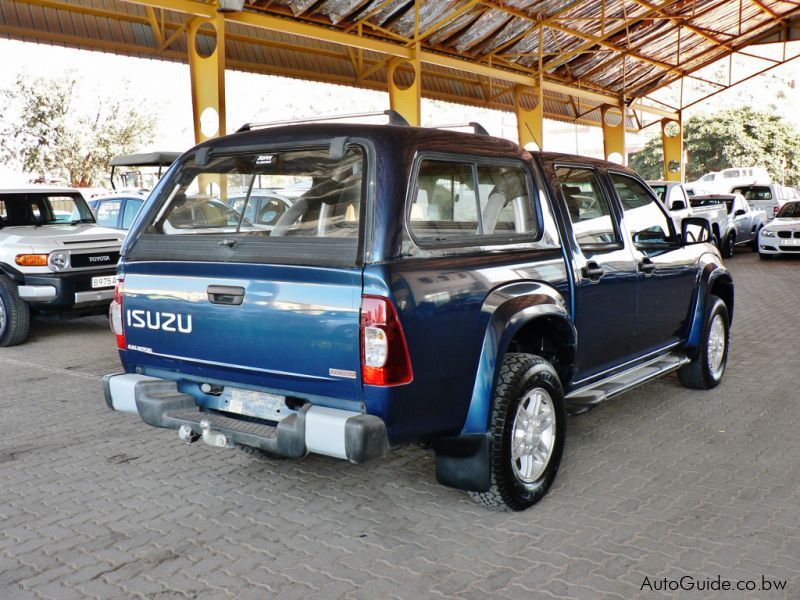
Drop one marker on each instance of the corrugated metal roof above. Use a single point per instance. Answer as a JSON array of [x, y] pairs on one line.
[[622, 48]]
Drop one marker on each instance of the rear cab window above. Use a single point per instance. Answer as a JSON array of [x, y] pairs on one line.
[[589, 210], [217, 207], [464, 200], [661, 191]]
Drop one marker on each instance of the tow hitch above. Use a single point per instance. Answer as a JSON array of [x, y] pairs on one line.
[[210, 437], [186, 434]]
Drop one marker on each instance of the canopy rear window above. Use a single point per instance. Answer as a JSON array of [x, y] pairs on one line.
[[754, 192], [300, 205], [698, 202]]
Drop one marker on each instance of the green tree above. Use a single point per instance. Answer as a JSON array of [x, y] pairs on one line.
[[44, 130], [738, 137]]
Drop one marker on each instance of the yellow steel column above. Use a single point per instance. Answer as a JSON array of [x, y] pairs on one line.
[[404, 97], [613, 134], [208, 78], [672, 144], [530, 129]]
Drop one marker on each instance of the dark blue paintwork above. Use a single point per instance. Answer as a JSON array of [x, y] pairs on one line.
[[461, 307], [293, 325]]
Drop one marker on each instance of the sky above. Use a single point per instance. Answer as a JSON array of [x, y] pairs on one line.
[[252, 97]]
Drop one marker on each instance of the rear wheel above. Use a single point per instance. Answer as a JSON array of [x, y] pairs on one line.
[[15, 314], [707, 369], [754, 243], [728, 245], [527, 433]]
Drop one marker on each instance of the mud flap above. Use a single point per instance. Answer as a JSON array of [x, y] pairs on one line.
[[464, 462]]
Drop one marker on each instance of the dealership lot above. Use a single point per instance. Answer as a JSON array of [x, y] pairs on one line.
[[663, 482]]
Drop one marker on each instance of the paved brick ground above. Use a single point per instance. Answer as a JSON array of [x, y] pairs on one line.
[[662, 482]]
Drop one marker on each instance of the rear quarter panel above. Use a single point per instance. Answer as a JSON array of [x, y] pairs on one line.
[[441, 304]]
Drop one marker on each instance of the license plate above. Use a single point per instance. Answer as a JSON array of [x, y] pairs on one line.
[[104, 281], [271, 407]]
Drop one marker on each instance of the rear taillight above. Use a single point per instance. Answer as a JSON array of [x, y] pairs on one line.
[[115, 315], [775, 209], [384, 353]]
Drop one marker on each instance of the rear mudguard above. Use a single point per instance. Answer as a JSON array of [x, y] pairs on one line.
[[464, 461], [711, 272]]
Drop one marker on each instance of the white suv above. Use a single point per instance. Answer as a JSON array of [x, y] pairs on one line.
[[54, 259]]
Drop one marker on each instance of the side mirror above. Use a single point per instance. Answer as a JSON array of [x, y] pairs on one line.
[[695, 230], [678, 205], [740, 212]]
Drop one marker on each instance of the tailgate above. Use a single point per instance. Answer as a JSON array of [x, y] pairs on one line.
[[287, 328]]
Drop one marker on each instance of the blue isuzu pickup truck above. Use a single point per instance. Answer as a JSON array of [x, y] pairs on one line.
[[423, 286]]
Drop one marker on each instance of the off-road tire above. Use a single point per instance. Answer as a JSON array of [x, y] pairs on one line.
[[697, 375], [519, 374], [728, 245], [17, 314]]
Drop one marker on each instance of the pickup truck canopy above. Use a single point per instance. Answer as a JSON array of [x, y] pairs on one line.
[[148, 159]]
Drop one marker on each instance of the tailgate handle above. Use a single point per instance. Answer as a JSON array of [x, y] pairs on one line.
[[225, 294]]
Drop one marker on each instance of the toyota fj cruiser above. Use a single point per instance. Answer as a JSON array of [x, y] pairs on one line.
[[427, 286], [54, 259]]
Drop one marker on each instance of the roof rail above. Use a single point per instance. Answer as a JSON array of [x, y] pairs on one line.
[[477, 128], [395, 118]]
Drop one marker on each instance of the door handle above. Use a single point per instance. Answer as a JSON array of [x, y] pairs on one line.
[[647, 266], [592, 271], [225, 294]]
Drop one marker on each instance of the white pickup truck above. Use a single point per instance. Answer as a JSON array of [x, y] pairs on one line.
[[54, 259], [743, 222], [679, 203]]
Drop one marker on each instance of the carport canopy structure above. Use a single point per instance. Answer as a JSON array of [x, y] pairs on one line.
[[595, 62]]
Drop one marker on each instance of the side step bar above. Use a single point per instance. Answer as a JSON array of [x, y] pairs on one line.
[[583, 399]]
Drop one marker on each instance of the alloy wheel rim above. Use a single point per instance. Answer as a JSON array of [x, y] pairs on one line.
[[533, 435], [717, 343], [3, 317]]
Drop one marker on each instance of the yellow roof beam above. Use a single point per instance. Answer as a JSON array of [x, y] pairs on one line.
[[432, 58], [155, 26], [189, 7], [662, 112], [767, 10], [387, 48]]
